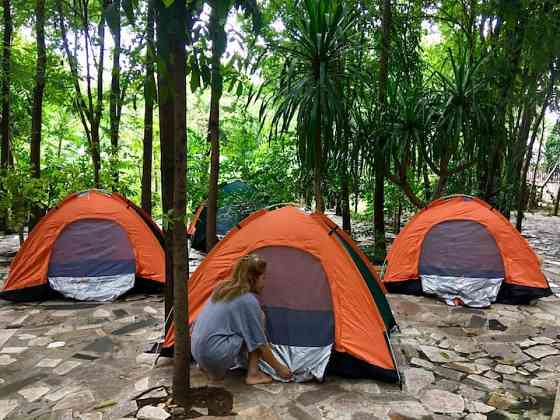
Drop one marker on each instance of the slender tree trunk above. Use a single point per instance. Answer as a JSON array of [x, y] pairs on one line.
[[37, 111], [399, 216], [532, 192], [345, 187], [523, 197], [90, 116], [513, 39], [346, 220], [115, 96], [181, 372], [149, 94], [379, 194], [557, 202], [5, 155], [172, 37], [318, 167], [213, 134], [98, 111], [166, 136], [218, 36], [442, 181]]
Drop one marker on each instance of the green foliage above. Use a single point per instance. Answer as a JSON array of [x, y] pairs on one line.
[[320, 35], [19, 193], [552, 148], [294, 69]]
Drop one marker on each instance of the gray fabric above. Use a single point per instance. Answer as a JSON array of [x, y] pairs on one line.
[[92, 248], [306, 363], [99, 289], [222, 328], [474, 292], [461, 248], [299, 314]]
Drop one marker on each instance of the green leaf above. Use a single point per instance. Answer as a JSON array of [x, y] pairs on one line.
[[168, 3]]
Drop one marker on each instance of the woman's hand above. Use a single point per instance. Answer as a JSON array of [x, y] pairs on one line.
[[279, 368], [283, 371]]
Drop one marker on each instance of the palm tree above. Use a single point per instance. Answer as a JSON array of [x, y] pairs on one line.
[[320, 35]]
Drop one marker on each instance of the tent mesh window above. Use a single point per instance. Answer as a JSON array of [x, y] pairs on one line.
[[92, 259], [461, 248], [298, 307], [461, 263]]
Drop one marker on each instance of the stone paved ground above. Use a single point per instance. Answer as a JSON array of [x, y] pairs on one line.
[[65, 360]]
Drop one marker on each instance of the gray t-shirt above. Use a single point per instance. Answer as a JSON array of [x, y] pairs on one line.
[[222, 328]]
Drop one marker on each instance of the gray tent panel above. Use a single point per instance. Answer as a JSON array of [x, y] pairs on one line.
[[299, 315], [92, 259], [460, 259], [461, 248]]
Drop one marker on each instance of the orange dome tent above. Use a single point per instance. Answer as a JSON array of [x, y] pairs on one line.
[[92, 246], [464, 251], [321, 297]]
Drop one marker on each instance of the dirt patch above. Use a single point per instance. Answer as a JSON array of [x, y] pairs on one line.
[[217, 401]]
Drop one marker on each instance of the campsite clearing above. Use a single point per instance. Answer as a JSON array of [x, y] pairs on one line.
[[66, 359]]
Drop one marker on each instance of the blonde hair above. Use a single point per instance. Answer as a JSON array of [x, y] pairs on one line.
[[242, 280]]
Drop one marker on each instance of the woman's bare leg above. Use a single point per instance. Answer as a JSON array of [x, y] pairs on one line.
[[254, 375]]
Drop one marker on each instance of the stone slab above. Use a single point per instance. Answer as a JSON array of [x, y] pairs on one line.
[[443, 402], [482, 382], [437, 355], [538, 352], [6, 407]]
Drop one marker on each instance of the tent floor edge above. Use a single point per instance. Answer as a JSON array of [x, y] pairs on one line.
[[514, 294], [142, 285], [31, 294], [405, 287], [347, 366], [45, 292]]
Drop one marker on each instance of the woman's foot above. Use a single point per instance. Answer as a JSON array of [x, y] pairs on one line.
[[257, 378]]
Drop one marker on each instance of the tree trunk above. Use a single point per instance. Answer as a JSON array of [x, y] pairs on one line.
[[37, 111], [149, 93], [167, 150], [218, 36], [98, 111], [399, 216], [115, 96], [513, 41], [441, 184], [379, 194], [90, 116], [532, 192], [557, 202], [5, 155], [181, 372], [426, 183], [346, 221], [213, 134], [317, 172], [171, 29], [523, 197]]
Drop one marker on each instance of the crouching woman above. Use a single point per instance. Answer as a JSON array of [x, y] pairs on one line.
[[232, 324]]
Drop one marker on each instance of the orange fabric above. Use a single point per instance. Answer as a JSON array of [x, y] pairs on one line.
[[359, 328], [194, 222], [30, 266], [521, 265]]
